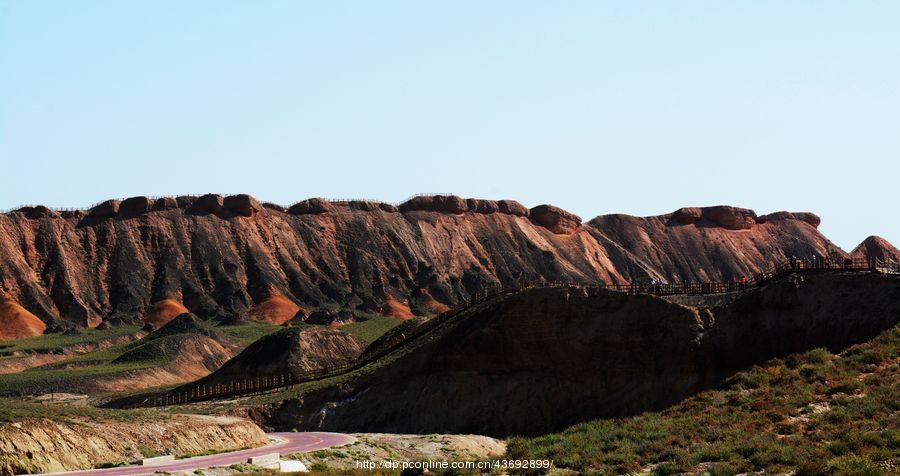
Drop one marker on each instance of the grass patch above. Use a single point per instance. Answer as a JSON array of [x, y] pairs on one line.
[[16, 409], [372, 328], [248, 332], [811, 413], [52, 343]]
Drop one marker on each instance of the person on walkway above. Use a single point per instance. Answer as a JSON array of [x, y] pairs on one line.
[[743, 283]]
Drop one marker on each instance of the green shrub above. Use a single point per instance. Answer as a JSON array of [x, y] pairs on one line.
[[852, 465]]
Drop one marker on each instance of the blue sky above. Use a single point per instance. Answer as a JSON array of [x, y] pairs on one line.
[[597, 107]]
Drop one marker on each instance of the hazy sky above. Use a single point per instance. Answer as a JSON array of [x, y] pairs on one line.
[[597, 107]]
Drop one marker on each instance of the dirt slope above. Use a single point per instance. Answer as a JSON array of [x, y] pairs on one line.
[[229, 256], [42, 445], [553, 357], [16, 322]]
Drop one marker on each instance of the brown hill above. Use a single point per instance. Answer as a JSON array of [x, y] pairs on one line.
[[497, 369], [876, 247], [227, 257]]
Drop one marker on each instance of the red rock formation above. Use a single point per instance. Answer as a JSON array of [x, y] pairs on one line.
[[224, 257], [162, 312], [243, 205], [395, 308], [310, 206], [714, 243], [275, 309], [555, 219], [876, 247], [16, 322], [134, 206], [730, 218]]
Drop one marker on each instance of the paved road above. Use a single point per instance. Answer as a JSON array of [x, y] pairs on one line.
[[286, 443]]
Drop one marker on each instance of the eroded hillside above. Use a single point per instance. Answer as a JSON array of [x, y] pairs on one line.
[[143, 259]]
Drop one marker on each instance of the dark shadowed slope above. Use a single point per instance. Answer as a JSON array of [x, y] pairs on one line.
[[541, 359]]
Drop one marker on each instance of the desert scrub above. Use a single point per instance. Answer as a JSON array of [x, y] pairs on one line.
[[811, 413]]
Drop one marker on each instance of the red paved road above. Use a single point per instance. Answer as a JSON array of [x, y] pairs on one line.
[[289, 443]]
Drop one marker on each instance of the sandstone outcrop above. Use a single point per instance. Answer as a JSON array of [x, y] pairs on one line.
[[109, 208], [810, 218], [730, 218], [209, 203], [512, 207], [313, 206], [435, 203], [555, 219], [134, 206], [242, 205], [37, 212], [165, 203]]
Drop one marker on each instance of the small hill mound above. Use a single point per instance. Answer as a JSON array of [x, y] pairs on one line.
[[876, 247], [16, 322], [275, 309], [291, 351], [185, 323], [164, 311], [167, 360], [165, 350]]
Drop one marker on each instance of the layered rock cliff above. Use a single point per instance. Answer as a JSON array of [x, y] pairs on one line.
[[150, 259]]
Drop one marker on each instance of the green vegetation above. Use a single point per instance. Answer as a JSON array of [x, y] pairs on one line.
[[15, 409], [38, 381], [372, 328], [248, 332], [74, 373], [51, 343], [812, 413]]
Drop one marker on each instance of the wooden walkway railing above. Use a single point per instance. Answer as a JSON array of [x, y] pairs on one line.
[[199, 391]]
